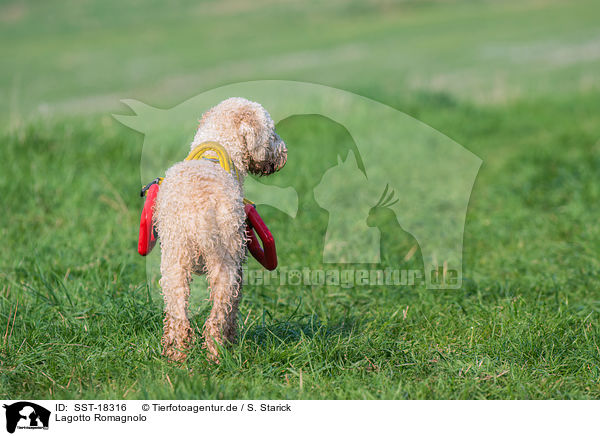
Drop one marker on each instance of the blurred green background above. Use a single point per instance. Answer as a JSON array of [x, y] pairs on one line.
[[515, 82], [83, 56]]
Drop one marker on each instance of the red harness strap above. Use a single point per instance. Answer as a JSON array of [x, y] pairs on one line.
[[148, 235], [267, 254]]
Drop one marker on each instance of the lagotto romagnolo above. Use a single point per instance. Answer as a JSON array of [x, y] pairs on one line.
[[200, 218]]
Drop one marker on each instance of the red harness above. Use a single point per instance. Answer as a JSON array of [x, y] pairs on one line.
[[148, 235], [265, 255]]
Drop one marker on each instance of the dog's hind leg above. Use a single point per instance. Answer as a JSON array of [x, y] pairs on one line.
[[175, 283], [225, 292], [231, 323], [231, 327]]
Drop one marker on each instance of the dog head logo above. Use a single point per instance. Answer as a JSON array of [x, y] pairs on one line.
[[430, 175], [26, 415]]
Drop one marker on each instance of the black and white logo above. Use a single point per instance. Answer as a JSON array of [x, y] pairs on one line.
[[26, 415]]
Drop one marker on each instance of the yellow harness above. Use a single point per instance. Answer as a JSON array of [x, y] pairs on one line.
[[222, 159]]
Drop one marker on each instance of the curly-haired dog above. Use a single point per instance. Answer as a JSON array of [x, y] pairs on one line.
[[200, 220]]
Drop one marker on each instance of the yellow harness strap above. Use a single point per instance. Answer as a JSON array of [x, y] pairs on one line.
[[222, 156]]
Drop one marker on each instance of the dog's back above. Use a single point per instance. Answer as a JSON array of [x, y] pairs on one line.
[[200, 208]]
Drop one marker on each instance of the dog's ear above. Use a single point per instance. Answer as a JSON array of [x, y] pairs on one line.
[[248, 133], [251, 128]]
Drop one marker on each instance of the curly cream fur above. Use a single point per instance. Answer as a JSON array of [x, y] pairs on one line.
[[200, 219]]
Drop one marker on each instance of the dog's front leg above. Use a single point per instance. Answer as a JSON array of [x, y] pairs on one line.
[[178, 334]]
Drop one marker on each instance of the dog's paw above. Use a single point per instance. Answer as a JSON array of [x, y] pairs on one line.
[[178, 337], [174, 354], [212, 346]]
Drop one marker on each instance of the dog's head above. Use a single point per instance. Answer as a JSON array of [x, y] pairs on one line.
[[267, 152], [250, 127]]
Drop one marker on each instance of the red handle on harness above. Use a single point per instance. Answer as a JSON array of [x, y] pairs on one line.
[[267, 254], [148, 236]]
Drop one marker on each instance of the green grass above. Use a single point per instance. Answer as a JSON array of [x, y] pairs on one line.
[[77, 319]]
